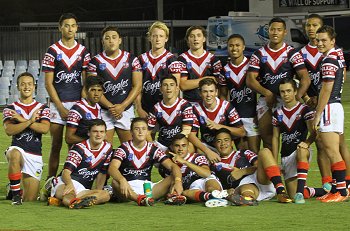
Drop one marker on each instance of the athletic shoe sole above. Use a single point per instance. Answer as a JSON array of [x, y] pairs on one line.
[[213, 203]]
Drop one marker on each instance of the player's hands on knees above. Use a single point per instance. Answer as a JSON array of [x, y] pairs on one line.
[[270, 99], [69, 188], [237, 173], [213, 157]]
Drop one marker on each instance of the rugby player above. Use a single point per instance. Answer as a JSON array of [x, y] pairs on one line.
[[25, 120], [267, 67], [64, 66], [121, 72]]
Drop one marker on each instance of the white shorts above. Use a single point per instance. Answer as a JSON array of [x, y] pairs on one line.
[[33, 164], [200, 183], [58, 181], [262, 108], [123, 123], [250, 126], [137, 186], [266, 192], [289, 165], [55, 116], [332, 118]]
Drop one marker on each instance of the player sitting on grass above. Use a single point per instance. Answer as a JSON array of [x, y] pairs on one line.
[[254, 176], [131, 167], [198, 182], [86, 162], [25, 120]]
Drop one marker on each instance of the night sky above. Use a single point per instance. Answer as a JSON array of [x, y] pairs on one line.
[[16, 11]]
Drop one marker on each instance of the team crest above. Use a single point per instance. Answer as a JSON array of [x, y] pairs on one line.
[[130, 156], [280, 118], [208, 64], [304, 56], [163, 65], [144, 66], [102, 66], [18, 111], [78, 57], [159, 114], [189, 65], [88, 160], [59, 57], [264, 59], [125, 65], [218, 167], [227, 74], [178, 112], [285, 59], [298, 116], [202, 119], [88, 116]]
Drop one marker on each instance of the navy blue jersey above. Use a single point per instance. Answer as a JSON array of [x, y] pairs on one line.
[[240, 159], [312, 58], [193, 67], [28, 139], [137, 164], [85, 163], [274, 65], [153, 70], [242, 97], [332, 70], [292, 125], [170, 119], [67, 65], [117, 74], [224, 113], [80, 116], [188, 175]]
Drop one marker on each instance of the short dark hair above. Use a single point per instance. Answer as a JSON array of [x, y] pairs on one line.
[[25, 74], [169, 77], [315, 16], [97, 122], [192, 28], [223, 130], [92, 81], [67, 16], [110, 28], [232, 36], [136, 120], [278, 19], [178, 136], [291, 81], [207, 81], [327, 29]]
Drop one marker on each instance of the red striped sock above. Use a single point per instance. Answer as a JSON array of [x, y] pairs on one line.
[[15, 182]]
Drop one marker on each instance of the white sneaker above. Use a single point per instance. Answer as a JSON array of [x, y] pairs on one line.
[[45, 191], [219, 194], [212, 203]]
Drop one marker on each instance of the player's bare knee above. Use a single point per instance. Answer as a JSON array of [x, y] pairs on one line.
[[14, 157]]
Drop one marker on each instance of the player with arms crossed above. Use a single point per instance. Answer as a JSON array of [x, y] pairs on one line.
[[86, 162], [196, 64], [122, 76], [251, 177], [131, 167], [25, 120], [64, 65], [267, 67], [233, 86], [329, 116]]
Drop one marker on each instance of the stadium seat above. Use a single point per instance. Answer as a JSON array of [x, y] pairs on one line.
[[34, 63], [5, 81], [21, 63], [2, 100], [7, 72], [9, 63], [12, 98], [1, 66], [34, 71]]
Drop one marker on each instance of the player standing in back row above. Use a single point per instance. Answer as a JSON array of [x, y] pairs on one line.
[[64, 65], [267, 67]]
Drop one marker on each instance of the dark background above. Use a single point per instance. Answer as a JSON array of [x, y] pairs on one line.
[[13, 12]]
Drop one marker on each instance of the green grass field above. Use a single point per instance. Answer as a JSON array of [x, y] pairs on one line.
[[271, 215]]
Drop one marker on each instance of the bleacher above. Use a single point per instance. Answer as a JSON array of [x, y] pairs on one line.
[[9, 70]]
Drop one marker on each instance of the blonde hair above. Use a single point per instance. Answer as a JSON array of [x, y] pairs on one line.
[[158, 25]]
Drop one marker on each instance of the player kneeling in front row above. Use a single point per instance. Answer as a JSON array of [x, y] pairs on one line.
[[131, 167], [199, 185], [25, 120], [87, 161], [257, 178]]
